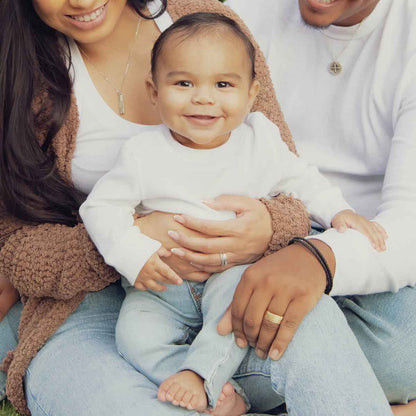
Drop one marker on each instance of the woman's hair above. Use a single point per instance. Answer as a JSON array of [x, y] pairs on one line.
[[201, 22], [35, 58]]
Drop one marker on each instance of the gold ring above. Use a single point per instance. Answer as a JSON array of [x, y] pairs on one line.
[[272, 317]]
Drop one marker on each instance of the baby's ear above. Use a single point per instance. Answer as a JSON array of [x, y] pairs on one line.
[[253, 92], [151, 89]]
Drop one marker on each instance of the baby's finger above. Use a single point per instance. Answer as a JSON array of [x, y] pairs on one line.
[[378, 235], [167, 275], [155, 286], [339, 224], [140, 286], [381, 229]]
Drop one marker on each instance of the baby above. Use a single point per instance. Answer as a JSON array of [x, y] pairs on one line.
[[203, 85]]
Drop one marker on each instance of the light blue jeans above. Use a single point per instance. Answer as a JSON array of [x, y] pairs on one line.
[[324, 372], [155, 329]]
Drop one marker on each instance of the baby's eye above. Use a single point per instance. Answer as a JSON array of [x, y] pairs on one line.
[[223, 84], [184, 83]]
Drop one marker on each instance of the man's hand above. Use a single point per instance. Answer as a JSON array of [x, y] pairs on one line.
[[8, 297], [288, 283]]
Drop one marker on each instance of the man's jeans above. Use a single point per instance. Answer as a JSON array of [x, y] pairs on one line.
[[155, 330], [323, 372]]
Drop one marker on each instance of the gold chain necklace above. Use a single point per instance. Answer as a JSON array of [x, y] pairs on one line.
[[119, 91], [335, 66]]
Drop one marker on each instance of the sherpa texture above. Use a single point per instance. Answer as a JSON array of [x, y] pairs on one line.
[[54, 266]]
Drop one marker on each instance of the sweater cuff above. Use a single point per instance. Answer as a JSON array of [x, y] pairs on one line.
[[289, 219]]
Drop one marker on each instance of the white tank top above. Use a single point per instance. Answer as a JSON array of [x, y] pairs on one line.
[[101, 131]]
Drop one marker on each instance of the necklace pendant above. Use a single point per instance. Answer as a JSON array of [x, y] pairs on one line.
[[335, 68], [121, 108]]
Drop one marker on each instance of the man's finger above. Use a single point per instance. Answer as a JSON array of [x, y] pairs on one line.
[[295, 313], [239, 304], [253, 316], [270, 325]]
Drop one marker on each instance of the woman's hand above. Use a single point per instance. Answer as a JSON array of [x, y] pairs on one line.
[[156, 226], [8, 297], [288, 283], [243, 239]]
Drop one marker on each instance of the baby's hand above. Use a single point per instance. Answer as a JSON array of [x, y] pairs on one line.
[[155, 271], [373, 230]]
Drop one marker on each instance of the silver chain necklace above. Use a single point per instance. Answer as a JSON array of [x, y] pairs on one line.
[[335, 67], [119, 91]]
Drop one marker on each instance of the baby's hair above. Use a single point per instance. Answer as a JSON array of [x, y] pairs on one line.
[[195, 23]]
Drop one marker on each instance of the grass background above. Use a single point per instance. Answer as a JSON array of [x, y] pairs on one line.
[[6, 409]]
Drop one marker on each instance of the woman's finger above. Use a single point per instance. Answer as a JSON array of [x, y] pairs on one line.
[[207, 227], [201, 259], [201, 244], [236, 203]]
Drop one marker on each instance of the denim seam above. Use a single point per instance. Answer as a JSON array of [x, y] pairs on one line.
[[194, 301], [209, 380], [34, 399]]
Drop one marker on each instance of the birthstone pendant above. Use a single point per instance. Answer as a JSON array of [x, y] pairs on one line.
[[121, 109], [335, 68]]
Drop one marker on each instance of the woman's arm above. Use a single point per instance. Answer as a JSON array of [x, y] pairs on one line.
[[50, 259]]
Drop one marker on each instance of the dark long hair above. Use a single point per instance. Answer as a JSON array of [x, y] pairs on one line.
[[33, 58]]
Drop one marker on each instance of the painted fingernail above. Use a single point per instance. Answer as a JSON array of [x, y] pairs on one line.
[[178, 252], [274, 355], [241, 343], [173, 234], [179, 219]]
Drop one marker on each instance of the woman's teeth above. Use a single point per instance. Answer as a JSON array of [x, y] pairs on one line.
[[89, 17], [326, 1]]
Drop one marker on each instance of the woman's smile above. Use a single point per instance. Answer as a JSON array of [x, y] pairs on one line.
[[90, 20]]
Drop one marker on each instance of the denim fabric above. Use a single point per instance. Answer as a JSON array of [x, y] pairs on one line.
[[155, 329], [79, 372]]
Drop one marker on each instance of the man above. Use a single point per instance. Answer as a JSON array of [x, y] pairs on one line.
[[345, 76]]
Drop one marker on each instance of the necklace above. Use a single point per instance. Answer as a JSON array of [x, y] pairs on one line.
[[119, 91], [335, 66]]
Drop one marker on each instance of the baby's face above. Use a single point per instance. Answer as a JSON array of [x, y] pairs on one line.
[[203, 88]]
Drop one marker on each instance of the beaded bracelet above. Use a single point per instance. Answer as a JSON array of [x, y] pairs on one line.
[[319, 256]]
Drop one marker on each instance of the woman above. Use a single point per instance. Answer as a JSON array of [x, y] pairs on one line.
[[55, 145]]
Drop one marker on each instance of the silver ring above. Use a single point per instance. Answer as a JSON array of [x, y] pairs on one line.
[[223, 258]]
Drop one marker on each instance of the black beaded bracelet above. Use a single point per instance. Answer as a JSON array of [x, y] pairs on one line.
[[319, 256]]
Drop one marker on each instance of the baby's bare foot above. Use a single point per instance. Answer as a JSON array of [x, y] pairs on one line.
[[229, 403], [185, 389]]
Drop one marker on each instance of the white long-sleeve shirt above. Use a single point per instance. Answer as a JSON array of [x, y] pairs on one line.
[[155, 172], [358, 127]]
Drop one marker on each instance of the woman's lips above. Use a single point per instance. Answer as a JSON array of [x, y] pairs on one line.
[[87, 21]]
